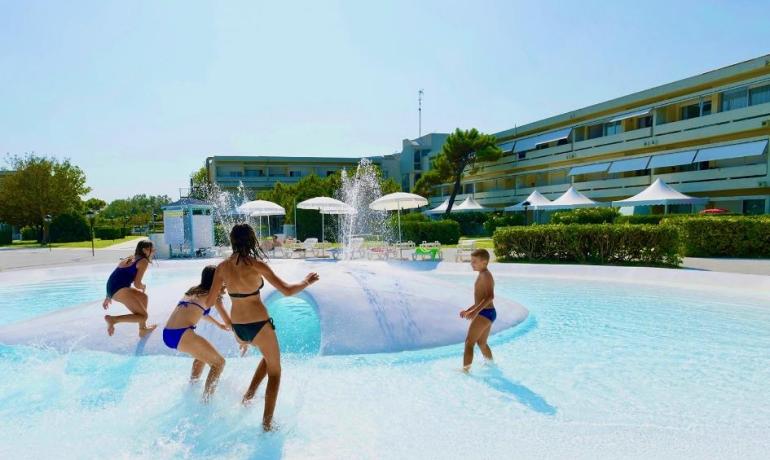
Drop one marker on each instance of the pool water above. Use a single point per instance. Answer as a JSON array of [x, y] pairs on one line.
[[597, 370]]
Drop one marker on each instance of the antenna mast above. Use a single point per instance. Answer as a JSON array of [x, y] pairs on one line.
[[419, 112]]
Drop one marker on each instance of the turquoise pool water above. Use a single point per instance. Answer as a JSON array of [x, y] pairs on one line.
[[598, 370]]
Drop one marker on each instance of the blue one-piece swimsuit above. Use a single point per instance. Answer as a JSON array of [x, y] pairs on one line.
[[171, 337], [121, 277]]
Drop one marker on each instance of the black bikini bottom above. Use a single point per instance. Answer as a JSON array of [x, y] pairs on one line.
[[248, 331]]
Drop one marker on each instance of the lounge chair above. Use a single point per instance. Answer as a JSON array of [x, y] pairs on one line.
[[432, 250], [464, 250], [397, 249], [380, 250]]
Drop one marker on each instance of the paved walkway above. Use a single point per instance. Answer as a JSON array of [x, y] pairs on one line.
[[747, 266]]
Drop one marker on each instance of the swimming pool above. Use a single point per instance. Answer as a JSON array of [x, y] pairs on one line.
[[597, 370]]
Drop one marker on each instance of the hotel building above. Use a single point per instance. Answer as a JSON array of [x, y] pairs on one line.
[[706, 136]]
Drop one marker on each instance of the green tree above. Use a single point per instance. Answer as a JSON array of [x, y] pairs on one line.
[[40, 186], [136, 210], [199, 183], [462, 149], [94, 204]]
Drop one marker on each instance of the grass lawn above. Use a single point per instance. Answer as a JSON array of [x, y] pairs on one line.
[[98, 243]]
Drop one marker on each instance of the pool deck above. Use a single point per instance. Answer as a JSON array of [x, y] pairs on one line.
[[18, 259]]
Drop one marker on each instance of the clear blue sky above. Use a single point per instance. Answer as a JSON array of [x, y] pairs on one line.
[[138, 93]]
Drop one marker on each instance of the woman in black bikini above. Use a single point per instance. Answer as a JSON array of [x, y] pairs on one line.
[[130, 271], [244, 270]]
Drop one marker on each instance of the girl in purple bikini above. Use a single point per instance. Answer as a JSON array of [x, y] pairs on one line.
[[130, 271]]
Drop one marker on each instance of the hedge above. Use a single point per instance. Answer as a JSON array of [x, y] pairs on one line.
[[590, 243], [504, 220], [471, 223], [31, 233], [653, 219], [109, 233], [719, 236], [6, 234], [585, 216], [66, 228], [443, 231]]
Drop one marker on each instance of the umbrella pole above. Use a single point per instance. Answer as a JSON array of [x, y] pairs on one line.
[[323, 246], [400, 254]]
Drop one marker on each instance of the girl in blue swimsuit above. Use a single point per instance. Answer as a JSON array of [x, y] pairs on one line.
[[179, 332], [130, 271]]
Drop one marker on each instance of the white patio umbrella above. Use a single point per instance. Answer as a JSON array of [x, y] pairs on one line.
[[259, 208], [396, 202], [326, 205]]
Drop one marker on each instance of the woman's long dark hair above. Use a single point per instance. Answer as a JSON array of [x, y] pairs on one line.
[[207, 278], [244, 243], [140, 247]]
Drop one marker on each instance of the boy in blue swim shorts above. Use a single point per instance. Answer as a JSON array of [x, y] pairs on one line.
[[482, 313]]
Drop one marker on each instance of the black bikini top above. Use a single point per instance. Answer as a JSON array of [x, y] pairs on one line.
[[240, 296]]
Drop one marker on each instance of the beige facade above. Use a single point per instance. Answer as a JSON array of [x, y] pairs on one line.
[[706, 136]]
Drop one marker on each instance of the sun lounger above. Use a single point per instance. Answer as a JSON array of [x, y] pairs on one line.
[[432, 250], [464, 250]]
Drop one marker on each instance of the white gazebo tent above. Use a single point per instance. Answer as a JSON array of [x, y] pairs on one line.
[[259, 208], [470, 205], [439, 209], [535, 200], [572, 199], [396, 202], [659, 193]]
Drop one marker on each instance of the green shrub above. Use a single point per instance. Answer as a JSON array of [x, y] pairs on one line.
[[66, 228], [652, 219], [590, 243], [471, 223], [720, 236], [495, 221], [109, 233], [443, 231], [6, 234], [31, 233], [585, 216], [410, 217]]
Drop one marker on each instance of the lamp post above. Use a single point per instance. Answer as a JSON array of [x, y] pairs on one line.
[[526, 205], [47, 229], [91, 214], [152, 223]]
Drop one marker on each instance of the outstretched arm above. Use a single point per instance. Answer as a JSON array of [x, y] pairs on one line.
[[211, 320], [284, 287]]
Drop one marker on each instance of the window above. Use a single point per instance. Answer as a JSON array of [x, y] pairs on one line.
[[595, 131], [329, 173], [254, 173], [236, 173], [759, 95], [468, 189], [753, 207], [417, 160], [705, 107], [689, 111], [522, 156], [734, 99], [295, 173], [612, 128], [644, 122]]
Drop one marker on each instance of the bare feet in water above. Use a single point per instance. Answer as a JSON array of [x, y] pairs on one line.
[[143, 331], [110, 325]]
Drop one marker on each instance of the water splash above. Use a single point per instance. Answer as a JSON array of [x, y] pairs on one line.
[[358, 190]]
